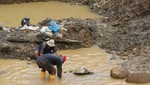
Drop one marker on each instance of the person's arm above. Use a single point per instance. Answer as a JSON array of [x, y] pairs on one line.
[[54, 50], [59, 70], [42, 48], [36, 54]]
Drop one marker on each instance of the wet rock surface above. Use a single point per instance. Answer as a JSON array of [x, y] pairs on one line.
[[119, 73], [82, 71]]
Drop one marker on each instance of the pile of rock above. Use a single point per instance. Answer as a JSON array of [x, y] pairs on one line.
[[19, 43]]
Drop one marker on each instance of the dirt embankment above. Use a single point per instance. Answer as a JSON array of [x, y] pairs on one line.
[[127, 32], [17, 43], [131, 19], [128, 23]]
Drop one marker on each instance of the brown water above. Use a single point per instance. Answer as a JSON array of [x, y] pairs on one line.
[[18, 72], [11, 15]]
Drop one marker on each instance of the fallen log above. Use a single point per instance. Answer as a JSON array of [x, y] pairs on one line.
[[65, 41]]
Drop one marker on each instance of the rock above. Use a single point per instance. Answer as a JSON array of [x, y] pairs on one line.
[[113, 56], [2, 71], [115, 23], [82, 71], [6, 48], [28, 58], [6, 29], [119, 73], [138, 78]]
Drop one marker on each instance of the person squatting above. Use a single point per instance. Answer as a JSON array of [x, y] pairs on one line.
[[46, 62]]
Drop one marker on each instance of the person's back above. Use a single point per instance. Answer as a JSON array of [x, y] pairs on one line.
[[51, 58], [47, 61]]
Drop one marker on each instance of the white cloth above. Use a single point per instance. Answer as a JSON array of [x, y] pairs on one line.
[[45, 29], [29, 27]]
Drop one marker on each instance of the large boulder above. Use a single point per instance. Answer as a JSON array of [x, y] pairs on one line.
[[138, 78], [119, 73]]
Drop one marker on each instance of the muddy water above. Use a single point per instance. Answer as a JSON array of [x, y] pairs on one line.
[[11, 15], [17, 72]]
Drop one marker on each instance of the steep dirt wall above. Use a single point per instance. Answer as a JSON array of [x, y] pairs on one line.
[[117, 9], [124, 9], [127, 23]]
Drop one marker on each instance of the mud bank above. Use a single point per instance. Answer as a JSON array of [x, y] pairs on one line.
[[16, 42]]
